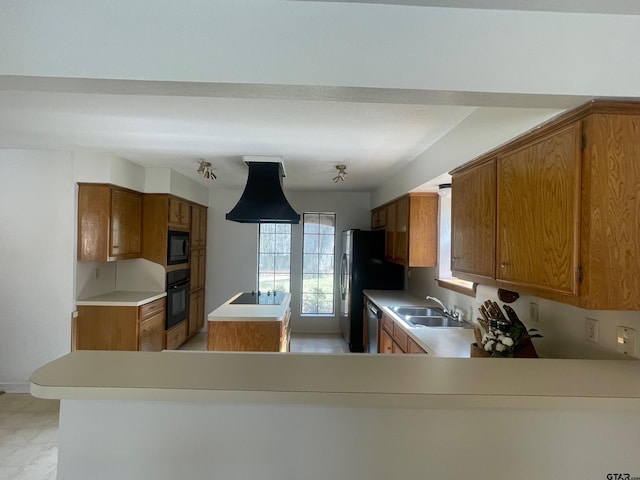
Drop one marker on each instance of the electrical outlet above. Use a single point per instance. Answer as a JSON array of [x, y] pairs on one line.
[[533, 312], [627, 340], [591, 330]]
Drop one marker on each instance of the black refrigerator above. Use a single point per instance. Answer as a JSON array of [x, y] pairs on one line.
[[363, 267]]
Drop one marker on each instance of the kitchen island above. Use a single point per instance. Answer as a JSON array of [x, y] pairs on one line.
[[251, 322], [235, 415]]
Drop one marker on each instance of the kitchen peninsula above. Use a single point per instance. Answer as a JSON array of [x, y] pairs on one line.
[[307, 416], [251, 322]]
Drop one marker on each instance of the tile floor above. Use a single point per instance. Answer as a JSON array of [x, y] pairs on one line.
[[28, 430], [29, 426]]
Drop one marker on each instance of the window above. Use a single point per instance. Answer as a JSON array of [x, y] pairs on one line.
[[318, 253], [274, 257]]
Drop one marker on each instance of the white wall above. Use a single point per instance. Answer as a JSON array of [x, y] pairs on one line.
[[232, 248], [37, 255]]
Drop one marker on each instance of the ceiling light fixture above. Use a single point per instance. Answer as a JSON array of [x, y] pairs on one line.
[[206, 170], [341, 173]]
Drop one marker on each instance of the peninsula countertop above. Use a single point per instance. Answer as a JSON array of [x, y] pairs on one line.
[[121, 298], [228, 312]]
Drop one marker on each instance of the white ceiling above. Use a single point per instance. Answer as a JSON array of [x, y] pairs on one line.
[[375, 132]]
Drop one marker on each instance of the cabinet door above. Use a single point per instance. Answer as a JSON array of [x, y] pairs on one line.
[[390, 231], [196, 312], [126, 224], [422, 230], [151, 333], [198, 226], [401, 242], [198, 268], [94, 217], [386, 342], [179, 212], [473, 221], [538, 213]]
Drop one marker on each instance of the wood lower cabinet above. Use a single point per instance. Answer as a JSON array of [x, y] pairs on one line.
[[121, 328], [411, 230], [567, 210], [196, 312], [109, 223], [176, 335], [394, 339], [250, 335]]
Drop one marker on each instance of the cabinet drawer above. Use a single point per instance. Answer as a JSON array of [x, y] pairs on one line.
[[177, 335], [150, 333], [150, 309], [400, 337], [387, 324]]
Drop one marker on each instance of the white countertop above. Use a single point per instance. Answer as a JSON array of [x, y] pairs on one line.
[[439, 342], [121, 299], [255, 313], [347, 379]]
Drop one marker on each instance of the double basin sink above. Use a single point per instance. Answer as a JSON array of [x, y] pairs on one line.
[[427, 317]]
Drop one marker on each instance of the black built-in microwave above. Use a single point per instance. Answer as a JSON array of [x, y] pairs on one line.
[[177, 247]]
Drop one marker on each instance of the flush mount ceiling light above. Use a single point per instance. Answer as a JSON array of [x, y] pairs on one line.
[[206, 170], [341, 173]]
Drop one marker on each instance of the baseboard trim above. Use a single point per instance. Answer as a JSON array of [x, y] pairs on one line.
[[14, 387]]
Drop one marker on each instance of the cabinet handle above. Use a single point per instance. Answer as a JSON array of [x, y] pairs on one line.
[[116, 246], [504, 264]]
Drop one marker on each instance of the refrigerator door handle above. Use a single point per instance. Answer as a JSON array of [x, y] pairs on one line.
[[343, 276]]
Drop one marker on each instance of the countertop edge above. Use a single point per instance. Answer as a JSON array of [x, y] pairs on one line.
[[117, 301]]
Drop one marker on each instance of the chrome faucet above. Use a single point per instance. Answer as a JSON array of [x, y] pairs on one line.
[[446, 311]]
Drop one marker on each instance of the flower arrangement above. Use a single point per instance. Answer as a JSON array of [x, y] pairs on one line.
[[503, 337], [498, 344]]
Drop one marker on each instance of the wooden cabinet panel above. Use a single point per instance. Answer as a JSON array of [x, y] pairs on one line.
[[610, 246], [179, 212], [151, 308], [126, 224], [176, 335], [198, 265], [390, 231], [244, 336], [413, 347], [400, 337], [109, 223], [378, 218], [411, 232], [107, 328], [198, 226], [386, 342], [473, 221], [538, 211], [196, 312], [151, 333]]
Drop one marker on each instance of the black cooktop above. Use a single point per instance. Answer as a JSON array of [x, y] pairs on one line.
[[260, 298]]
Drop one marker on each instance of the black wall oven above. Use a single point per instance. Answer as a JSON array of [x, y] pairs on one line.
[[177, 247], [177, 297]]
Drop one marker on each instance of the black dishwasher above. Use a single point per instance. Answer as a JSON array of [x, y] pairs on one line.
[[374, 314]]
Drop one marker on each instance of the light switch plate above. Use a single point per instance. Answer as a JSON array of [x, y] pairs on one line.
[[626, 340]]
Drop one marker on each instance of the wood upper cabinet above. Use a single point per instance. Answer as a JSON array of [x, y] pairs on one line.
[[378, 218], [179, 212], [567, 208], [198, 268], [198, 226], [538, 208], [126, 223], [109, 223], [473, 221], [610, 235], [412, 230]]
